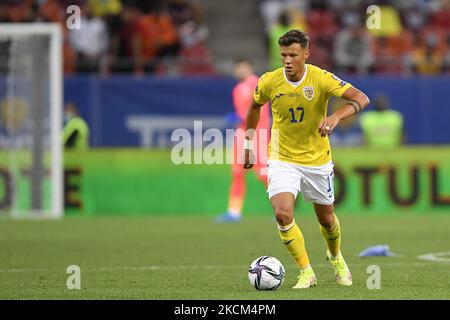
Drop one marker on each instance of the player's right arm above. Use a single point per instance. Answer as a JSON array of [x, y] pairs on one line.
[[252, 121], [260, 97]]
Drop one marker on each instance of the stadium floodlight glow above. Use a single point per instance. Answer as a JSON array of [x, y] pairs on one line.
[[31, 100]]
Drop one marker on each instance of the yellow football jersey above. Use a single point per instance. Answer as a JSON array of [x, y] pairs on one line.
[[297, 110]]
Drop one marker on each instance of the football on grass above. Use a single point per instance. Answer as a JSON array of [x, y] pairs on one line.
[[266, 273]]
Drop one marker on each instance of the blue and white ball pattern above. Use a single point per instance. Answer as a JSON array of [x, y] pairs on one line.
[[266, 273]]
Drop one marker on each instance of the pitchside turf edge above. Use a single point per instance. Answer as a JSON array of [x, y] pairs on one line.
[[194, 258]]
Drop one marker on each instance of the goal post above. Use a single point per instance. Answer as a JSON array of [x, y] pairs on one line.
[[31, 102]]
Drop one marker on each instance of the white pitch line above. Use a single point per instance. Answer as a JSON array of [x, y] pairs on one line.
[[26, 270], [158, 267], [436, 257]]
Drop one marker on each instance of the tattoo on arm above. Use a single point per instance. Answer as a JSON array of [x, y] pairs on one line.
[[356, 106]]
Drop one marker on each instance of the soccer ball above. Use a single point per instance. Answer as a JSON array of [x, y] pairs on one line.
[[266, 273]]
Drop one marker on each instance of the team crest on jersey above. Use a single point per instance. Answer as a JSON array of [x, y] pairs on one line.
[[308, 92]]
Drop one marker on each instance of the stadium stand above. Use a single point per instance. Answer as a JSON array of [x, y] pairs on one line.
[[190, 37]]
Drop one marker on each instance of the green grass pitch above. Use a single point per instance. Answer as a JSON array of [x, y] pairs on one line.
[[176, 257]]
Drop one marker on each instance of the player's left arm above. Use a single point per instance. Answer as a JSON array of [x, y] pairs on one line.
[[357, 101]]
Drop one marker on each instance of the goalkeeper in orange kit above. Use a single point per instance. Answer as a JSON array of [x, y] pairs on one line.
[[242, 98]]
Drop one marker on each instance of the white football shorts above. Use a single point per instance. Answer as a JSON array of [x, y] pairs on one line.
[[315, 183]]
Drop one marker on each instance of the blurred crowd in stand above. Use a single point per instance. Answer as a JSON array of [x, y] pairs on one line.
[[132, 36], [412, 37], [124, 36]]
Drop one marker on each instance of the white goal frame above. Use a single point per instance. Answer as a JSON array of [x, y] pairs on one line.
[[54, 31]]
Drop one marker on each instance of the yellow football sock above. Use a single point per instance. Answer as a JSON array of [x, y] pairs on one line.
[[332, 237], [293, 239]]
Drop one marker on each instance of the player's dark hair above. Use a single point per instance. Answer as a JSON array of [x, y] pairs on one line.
[[294, 36]]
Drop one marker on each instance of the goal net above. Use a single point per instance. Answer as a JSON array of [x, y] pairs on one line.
[[30, 121]]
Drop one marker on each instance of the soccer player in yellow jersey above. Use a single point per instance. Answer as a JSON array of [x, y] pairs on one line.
[[299, 150]]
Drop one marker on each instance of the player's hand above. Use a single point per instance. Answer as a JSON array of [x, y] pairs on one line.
[[327, 125], [249, 158]]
